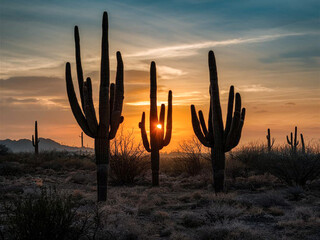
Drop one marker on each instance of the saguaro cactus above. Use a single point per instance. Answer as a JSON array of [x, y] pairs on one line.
[[157, 139], [293, 142], [216, 137], [110, 106], [270, 141], [35, 139]]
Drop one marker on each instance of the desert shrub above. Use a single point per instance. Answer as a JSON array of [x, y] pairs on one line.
[[265, 200], [52, 160], [289, 167], [192, 220], [46, 216], [235, 169], [222, 213], [295, 193], [191, 157], [4, 150], [127, 160], [233, 231], [10, 169]]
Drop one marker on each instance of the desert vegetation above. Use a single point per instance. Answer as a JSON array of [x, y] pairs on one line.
[[259, 199], [209, 189]]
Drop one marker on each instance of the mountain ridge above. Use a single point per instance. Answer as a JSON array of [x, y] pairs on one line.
[[46, 144]]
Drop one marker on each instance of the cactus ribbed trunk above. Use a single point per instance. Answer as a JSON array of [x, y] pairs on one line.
[[269, 140], [218, 158], [214, 136], [155, 168], [102, 153]]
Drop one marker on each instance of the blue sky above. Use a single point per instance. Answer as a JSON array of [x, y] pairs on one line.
[[268, 49]]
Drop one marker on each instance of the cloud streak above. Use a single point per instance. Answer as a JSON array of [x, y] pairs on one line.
[[190, 49]]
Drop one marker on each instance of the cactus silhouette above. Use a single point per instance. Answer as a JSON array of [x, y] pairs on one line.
[[35, 139], [217, 138], [158, 139], [293, 142], [81, 138], [110, 106], [303, 149], [270, 141]]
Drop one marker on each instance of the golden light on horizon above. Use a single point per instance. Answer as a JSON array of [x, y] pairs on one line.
[[159, 126]]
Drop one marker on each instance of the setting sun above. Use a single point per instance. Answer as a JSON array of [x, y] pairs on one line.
[[159, 126]]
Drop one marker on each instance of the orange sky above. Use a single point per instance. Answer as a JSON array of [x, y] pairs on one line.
[[272, 60]]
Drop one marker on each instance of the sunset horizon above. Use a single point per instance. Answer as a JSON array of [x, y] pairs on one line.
[[272, 59]]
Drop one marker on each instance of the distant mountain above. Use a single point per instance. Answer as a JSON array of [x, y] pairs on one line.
[[46, 144]]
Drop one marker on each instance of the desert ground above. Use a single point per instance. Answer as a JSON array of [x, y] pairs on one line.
[[256, 205]]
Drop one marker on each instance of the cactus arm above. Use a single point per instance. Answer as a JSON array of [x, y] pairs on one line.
[[169, 121], [229, 113], [197, 128], [288, 141], [78, 63], [76, 110], [112, 89], [33, 141], [142, 126], [203, 123], [215, 100], [303, 149], [89, 107], [239, 130], [119, 90], [118, 96], [104, 107], [234, 125]]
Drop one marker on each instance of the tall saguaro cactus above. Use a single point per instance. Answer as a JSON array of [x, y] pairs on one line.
[[216, 137], [158, 139], [293, 142], [35, 139], [110, 106], [270, 141]]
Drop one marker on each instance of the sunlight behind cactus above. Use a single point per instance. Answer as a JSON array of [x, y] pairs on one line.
[[158, 139]]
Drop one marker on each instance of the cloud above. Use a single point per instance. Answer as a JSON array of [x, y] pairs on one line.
[[254, 89], [190, 49]]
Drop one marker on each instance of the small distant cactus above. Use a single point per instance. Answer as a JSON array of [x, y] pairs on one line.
[[35, 139], [217, 138], [158, 139], [81, 137], [110, 106], [270, 141], [294, 142]]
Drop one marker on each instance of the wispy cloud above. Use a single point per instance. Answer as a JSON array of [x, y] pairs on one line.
[[255, 88], [190, 49]]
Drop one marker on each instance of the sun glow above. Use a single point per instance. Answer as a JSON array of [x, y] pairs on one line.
[[159, 126]]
